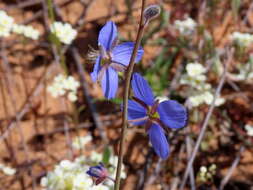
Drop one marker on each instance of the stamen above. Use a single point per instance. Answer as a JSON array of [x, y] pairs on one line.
[[139, 119], [92, 54], [154, 107]]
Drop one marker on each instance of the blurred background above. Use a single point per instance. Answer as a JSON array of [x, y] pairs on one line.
[[48, 138]]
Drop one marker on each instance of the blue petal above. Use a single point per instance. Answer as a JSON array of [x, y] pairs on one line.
[[110, 83], [122, 53], [173, 114], [142, 90], [159, 141], [107, 35], [136, 111], [96, 70]]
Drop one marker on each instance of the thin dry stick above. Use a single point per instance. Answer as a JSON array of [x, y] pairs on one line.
[[84, 85], [189, 150], [126, 96], [66, 130], [232, 168], [26, 106], [155, 174], [9, 84], [204, 127]]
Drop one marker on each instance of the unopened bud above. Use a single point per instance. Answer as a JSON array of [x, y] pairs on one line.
[[151, 12]]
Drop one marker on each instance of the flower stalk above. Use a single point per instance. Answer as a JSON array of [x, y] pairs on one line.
[[126, 95]]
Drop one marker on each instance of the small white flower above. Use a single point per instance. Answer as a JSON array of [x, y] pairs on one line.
[[72, 96], [64, 32], [195, 101], [6, 23], [249, 129], [71, 84], [18, 29], [242, 39], [79, 142], [8, 171], [44, 182], [67, 165], [96, 157], [100, 187], [195, 69], [185, 27], [203, 169], [82, 181], [63, 85], [30, 32]]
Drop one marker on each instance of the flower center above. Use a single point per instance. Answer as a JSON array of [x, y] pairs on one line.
[[153, 115]]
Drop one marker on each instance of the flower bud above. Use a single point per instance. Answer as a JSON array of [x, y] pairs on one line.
[[151, 12], [98, 172]]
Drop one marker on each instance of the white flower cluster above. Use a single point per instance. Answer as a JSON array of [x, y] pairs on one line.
[[63, 85], [7, 170], [242, 39], [201, 91], [72, 175], [185, 27], [27, 31], [79, 142], [64, 32], [245, 71], [249, 130], [206, 174], [7, 26], [6, 23]]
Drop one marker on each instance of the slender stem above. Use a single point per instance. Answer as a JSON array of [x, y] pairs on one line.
[[126, 95], [205, 124], [232, 168]]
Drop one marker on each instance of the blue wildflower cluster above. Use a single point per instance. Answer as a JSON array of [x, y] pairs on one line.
[[157, 117]]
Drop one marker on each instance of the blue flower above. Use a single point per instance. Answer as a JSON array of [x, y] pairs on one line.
[[157, 117], [112, 58], [99, 173]]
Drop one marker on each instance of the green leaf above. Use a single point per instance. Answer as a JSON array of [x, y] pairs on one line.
[[117, 100], [106, 155]]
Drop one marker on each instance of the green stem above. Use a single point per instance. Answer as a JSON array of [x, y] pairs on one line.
[[126, 96], [54, 38]]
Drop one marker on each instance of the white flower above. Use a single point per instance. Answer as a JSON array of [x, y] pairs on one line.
[[30, 32], [8, 171], [18, 28], [44, 182], [203, 169], [56, 90], [82, 182], [96, 157], [195, 101], [64, 32], [242, 39], [79, 142], [72, 96], [71, 84], [186, 27], [249, 129], [205, 97], [195, 69], [100, 187], [67, 165], [6, 23], [63, 85]]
